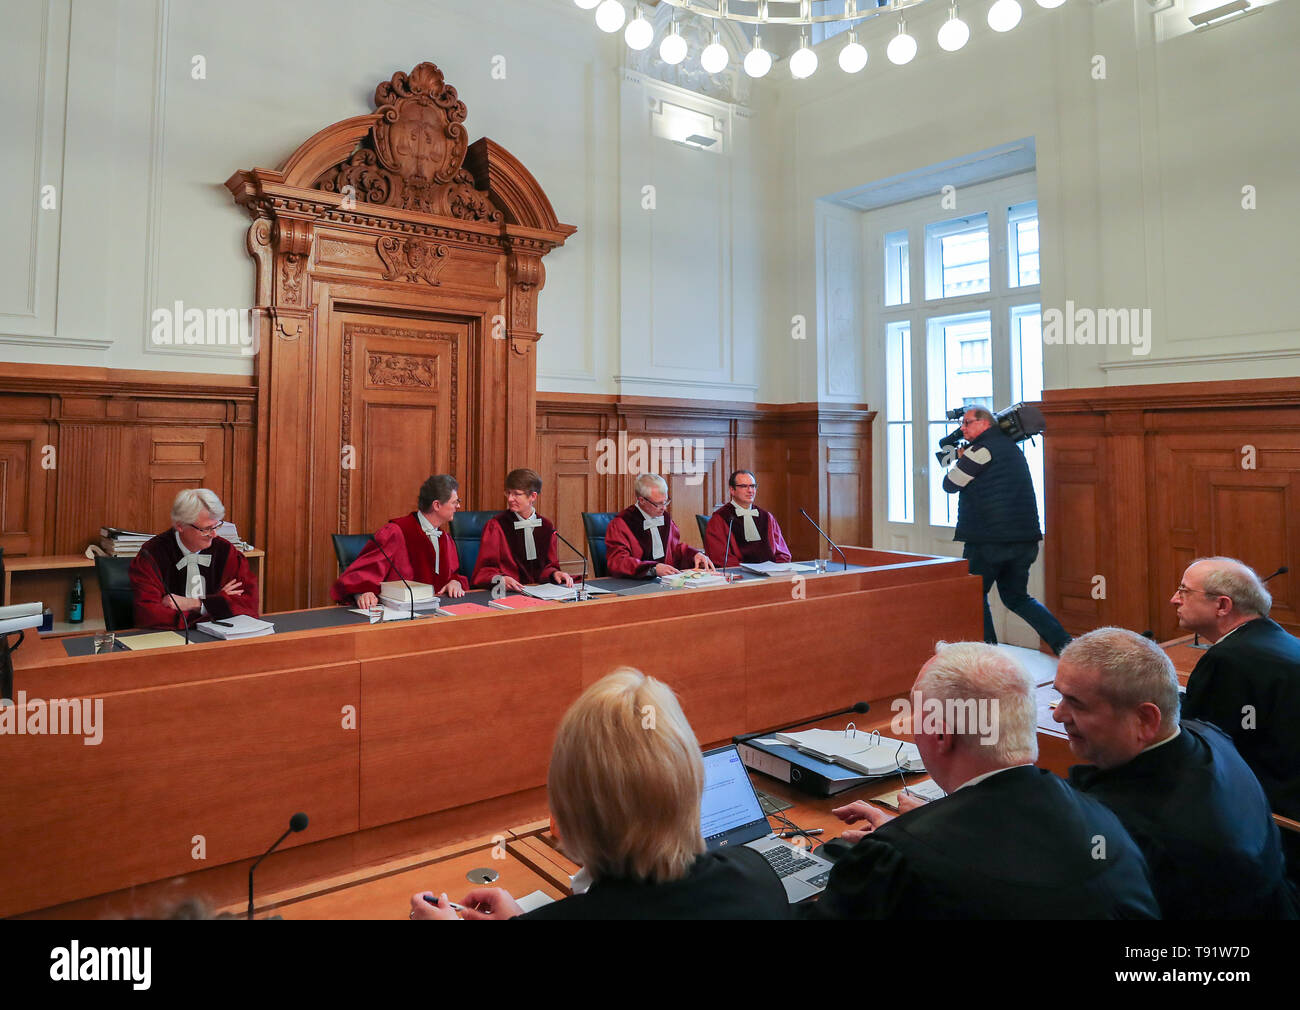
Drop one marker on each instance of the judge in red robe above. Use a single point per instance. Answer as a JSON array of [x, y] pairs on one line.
[[642, 541], [755, 533], [519, 546], [189, 574], [418, 545]]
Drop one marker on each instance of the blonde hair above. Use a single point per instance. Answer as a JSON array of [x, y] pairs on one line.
[[973, 672], [626, 779]]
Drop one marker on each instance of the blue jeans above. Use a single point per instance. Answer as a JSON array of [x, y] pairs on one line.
[[1008, 566]]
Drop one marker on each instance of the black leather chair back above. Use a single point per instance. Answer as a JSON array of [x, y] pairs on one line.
[[347, 547], [467, 532], [594, 525], [113, 575], [703, 523]]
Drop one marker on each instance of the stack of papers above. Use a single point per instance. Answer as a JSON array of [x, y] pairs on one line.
[[155, 640], [519, 602], [864, 753], [390, 613], [695, 579], [238, 626], [777, 567], [550, 591], [397, 596]]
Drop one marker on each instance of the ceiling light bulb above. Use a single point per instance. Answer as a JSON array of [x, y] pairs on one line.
[[953, 33], [586, 5], [672, 50], [758, 61], [1050, 4], [610, 16], [714, 58], [901, 48], [803, 61], [1004, 15], [640, 32], [853, 57]]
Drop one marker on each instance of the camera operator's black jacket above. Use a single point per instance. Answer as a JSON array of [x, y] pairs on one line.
[[997, 503]]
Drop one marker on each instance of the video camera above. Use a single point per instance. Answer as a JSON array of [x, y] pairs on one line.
[[1018, 422]]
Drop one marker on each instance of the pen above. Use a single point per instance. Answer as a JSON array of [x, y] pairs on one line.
[[792, 834]]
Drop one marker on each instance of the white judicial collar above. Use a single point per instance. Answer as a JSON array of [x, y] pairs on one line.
[[192, 561], [528, 525], [652, 523], [433, 533], [749, 514]]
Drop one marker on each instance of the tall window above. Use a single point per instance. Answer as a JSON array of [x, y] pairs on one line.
[[973, 339]]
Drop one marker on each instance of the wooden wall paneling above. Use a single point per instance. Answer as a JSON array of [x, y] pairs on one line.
[[24, 484]]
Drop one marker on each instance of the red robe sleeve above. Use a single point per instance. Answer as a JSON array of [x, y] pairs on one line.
[[715, 541], [147, 593], [450, 563], [780, 552], [552, 560], [623, 552], [371, 567], [494, 558], [222, 607]]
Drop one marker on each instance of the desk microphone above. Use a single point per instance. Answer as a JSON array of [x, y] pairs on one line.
[[727, 553], [857, 708], [834, 546], [185, 618], [1281, 571], [409, 591], [298, 822], [582, 592]]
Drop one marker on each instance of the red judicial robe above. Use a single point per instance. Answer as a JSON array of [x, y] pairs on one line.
[[154, 574], [628, 546], [502, 552], [770, 545], [412, 552]]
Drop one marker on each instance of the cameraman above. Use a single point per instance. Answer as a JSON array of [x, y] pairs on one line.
[[997, 518]]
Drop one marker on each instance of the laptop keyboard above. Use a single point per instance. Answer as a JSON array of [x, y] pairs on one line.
[[785, 862]]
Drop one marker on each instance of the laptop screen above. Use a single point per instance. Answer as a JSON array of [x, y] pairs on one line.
[[729, 811]]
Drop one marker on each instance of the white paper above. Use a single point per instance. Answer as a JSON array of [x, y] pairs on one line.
[[777, 567]]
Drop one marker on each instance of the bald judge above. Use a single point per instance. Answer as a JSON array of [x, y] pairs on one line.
[[755, 533], [518, 546], [643, 541]]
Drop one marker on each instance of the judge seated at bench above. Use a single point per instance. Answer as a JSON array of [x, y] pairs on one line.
[[519, 547], [642, 541], [755, 535], [188, 573], [416, 543], [625, 801]]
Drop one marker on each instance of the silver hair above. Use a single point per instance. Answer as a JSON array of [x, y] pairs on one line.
[[969, 673], [190, 502], [1131, 670], [1239, 583], [645, 481]]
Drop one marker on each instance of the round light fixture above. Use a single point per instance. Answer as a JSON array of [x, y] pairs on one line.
[[901, 48], [714, 58], [1004, 15], [672, 50], [610, 16], [803, 62], [953, 33], [758, 61], [853, 57], [1050, 4], [586, 5], [640, 32]]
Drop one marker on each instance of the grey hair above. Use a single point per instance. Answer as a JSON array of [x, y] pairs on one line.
[[190, 502], [1239, 583], [968, 673], [645, 481], [982, 414], [1131, 670]]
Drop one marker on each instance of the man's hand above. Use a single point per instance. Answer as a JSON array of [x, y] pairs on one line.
[[453, 589], [512, 585], [662, 569], [367, 600], [702, 560], [860, 810], [490, 903], [180, 602], [910, 801], [563, 578], [233, 588], [421, 909]]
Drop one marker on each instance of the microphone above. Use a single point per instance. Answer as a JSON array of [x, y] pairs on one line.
[[582, 592], [185, 619], [857, 708], [834, 546], [298, 822], [1281, 571], [727, 553], [392, 567]]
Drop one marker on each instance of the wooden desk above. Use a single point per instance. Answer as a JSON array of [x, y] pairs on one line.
[[385, 733]]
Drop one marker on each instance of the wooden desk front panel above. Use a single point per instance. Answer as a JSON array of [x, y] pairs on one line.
[[229, 759]]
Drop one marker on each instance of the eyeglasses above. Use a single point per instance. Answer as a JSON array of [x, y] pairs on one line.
[[744, 487], [657, 504], [207, 531], [1184, 590]]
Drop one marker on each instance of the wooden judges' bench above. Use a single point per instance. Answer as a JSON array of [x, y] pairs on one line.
[[406, 737]]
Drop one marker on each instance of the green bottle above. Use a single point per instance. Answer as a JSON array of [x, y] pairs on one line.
[[76, 603]]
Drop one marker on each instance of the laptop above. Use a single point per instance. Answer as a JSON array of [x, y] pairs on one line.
[[730, 814]]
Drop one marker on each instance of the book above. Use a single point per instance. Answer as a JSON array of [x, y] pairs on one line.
[[551, 591], [519, 601], [695, 579], [238, 626], [389, 613], [864, 753], [403, 602], [460, 609], [398, 591], [156, 640], [777, 567], [113, 533]]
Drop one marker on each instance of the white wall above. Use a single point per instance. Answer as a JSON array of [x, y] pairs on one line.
[[140, 149]]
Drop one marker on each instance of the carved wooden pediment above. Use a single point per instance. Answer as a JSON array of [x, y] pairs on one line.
[[413, 156]]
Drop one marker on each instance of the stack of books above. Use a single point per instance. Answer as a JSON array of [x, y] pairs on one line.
[[122, 543], [401, 596]]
